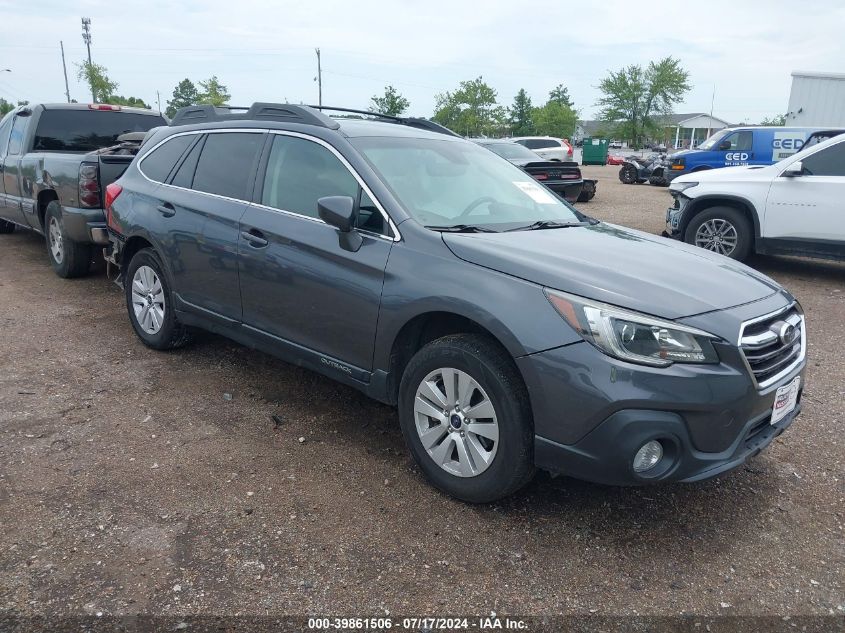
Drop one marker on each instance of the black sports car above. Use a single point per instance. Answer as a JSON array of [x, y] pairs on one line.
[[562, 178]]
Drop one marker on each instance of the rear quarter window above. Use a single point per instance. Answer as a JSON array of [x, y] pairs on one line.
[[158, 164]]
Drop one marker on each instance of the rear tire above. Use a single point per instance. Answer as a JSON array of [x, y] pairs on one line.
[[723, 230], [149, 303], [6, 227], [628, 175], [479, 450], [68, 258]]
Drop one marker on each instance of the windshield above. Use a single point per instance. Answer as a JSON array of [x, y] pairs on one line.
[[512, 151], [713, 140], [445, 183]]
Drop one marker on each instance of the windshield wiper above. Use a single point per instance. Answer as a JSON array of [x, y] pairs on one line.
[[461, 228], [548, 224]]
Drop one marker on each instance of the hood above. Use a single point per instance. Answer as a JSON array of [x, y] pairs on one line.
[[728, 174], [619, 266]]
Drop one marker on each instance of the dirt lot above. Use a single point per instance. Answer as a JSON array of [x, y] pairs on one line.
[[140, 482]]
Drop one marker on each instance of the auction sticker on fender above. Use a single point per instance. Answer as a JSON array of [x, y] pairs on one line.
[[786, 398]]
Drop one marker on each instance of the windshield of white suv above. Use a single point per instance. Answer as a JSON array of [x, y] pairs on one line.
[[713, 140], [445, 183]]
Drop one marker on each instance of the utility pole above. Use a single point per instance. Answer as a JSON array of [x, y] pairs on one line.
[[319, 79], [64, 68], [158, 100], [86, 37]]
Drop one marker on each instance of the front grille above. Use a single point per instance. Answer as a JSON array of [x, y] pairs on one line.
[[773, 345]]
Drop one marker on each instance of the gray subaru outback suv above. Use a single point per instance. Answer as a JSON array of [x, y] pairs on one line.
[[511, 331]]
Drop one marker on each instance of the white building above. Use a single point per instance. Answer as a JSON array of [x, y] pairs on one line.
[[817, 100]]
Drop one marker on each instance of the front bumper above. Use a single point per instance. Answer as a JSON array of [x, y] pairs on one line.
[[569, 189], [670, 174], [605, 455], [592, 412]]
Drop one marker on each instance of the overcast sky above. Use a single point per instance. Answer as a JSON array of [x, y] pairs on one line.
[[264, 50]]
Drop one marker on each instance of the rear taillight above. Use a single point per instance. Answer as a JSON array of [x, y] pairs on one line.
[[541, 176], [112, 192], [104, 106], [89, 185]]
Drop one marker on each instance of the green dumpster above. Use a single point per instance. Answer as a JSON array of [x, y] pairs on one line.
[[594, 151]]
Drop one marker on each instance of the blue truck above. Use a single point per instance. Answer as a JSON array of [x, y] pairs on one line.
[[752, 145]]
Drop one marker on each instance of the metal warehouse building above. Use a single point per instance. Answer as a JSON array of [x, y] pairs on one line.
[[817, 99]]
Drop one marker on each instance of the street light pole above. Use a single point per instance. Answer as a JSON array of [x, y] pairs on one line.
[[86, 37]]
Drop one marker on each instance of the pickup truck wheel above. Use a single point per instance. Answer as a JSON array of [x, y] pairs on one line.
[[466, 418], [150, 305], [69, 258], [723, 230], [6, 227]]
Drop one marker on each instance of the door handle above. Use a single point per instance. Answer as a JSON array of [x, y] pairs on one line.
[[166, 210], [255, 238]]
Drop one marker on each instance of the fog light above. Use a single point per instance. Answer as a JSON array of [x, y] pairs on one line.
[[648, 456]]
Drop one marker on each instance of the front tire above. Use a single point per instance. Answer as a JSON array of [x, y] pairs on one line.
[[628, 174], [6, 227], [68, 258], [466, 418], [150, 303], [723, 230]]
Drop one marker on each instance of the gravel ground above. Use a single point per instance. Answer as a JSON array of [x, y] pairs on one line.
[[160, 483]]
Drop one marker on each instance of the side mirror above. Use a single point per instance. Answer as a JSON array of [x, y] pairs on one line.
[[794, 170], [724, 146], [339, 211]]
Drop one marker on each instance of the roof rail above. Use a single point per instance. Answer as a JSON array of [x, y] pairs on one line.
[[417, 122], [286, 112]]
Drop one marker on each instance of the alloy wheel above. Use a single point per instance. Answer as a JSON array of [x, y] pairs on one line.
[[456, 422], [148, 299], [717, 235], [54, 235]]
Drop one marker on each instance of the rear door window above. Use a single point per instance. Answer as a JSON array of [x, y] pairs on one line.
[[541, 143], [158, 164], [16, 138], [4, 135], [184, 176], [827, 162], [227, 164]]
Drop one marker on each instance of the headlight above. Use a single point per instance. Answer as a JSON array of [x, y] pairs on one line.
[[632, 336], [682, 186]]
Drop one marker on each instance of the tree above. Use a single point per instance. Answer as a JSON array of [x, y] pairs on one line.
[[184, 94], [130, 102], [560, 94], [555, 119], [778, 120], [634, 96], [471, 109], [97, 79], [392, 103], [5, 107], [521, 115], [213, 92]]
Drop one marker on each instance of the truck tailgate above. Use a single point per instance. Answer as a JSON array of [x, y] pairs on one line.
[[112, 168]]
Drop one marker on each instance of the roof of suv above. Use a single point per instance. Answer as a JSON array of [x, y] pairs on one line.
[[277, 115]]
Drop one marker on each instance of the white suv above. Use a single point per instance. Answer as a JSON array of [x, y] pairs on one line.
[[794, 207], [546, 146]]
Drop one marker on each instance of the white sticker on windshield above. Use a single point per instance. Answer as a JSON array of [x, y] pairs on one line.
[[537, 192]]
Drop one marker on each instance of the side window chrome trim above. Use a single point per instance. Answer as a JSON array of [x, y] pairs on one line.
[[396, 235]]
